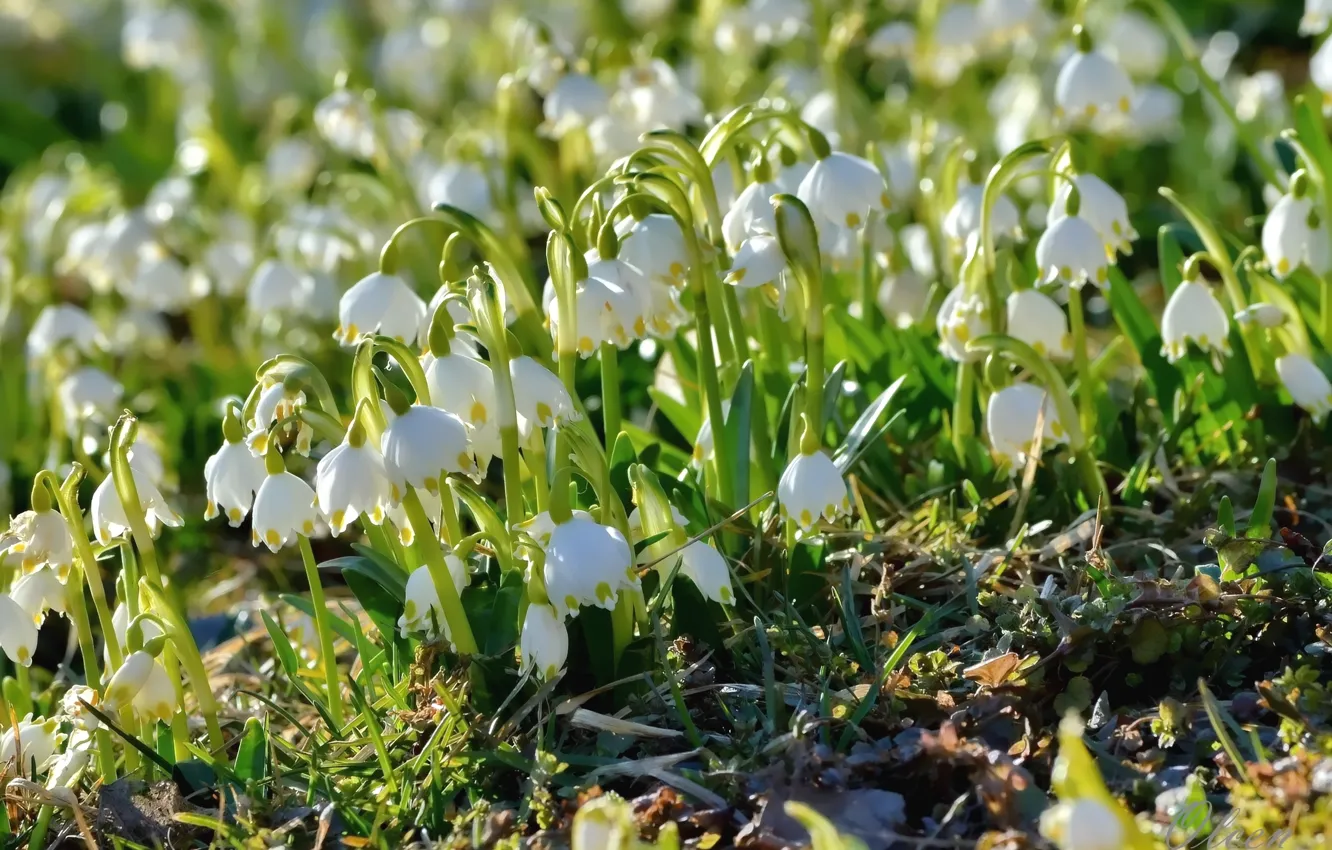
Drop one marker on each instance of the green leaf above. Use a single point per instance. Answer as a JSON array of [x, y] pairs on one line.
[[832, 390], [493, 613], [622, 457], [864, 426], [305, 606], [291, 665], [1137, 324], [738, 429], [1225, 516], [382, 606], [489, 521], [686, 420], [1148, 641], [1260, 521], [251, 765], [369, 567]]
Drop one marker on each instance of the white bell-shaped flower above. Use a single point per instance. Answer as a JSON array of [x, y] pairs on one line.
[[893, 40], [275, 287], [544, 642], [463, 386], [160, 283], [1011, 419], [903, 296], [1091, 83], [61, 324], [351, 481], [284, 508], [277, 402], [432, 505], [346, 122], [538, 393], [1316, 15], [69, 765], [655, 97], [655, 244], [422, 613], [231, 478], [33, 740], [379, 303], [1194, 314], [1071, 251], [108, 514], [72, 706], [541, 526], [1306, 383], [1102, 207], [961, 319], [120, 620], [811, 488], [422, 446], [1261, 315], [1083, 824], [39, 592], [1137, 43], [40, 539], [844, 189], [18, 635], [758, 264], [706, 568], [606, 313], [128, 680], [1035, 318], [291, 164], [156, 699], [964, 218], [751, 214], [575, 102], [1294, 235], [463, 185], [85, 393], [587, 564]]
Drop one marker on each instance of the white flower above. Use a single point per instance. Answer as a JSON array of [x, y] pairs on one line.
[[463, 386], [1083, 824], [844, 189], [284, 507], [225, 264], [1155, 113], [1037, 320], [1102, 207], [1071, 251], [108, 514], [128, 680], [655, 244], [120, 620], [538, 393], [58, 324], [1306, 383], [275, 286], [903, 296], [544, 642], [462, 185], [432, 505], [379, 303], [706, 568], [1090, 83], [1194, 314], [964, 217], [346, 122], [751, 214], [961, 319], [893, 40], [811, 488], [758, 264], [76, 757], [655, 97], [39, 592], [1010, 422], [85, 393], [277, 403], [1262, 315], [573, 104], [1315, 18], [231, 477], [587, 564], [351, 480], [18, 635], [34, 741], [156, 700], [1137, 44], [422, 612], [540, 526], [160, 282], [42, 539], [72, 706], [291, 164], [422, 446], [1294, 235]]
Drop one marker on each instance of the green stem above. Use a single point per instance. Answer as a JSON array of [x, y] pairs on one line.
[[449, 509], [460, 630], [1081, 363], [331, 679], [1325, 310], [964, 426], [610, 394], [128, 492], [182, 641]]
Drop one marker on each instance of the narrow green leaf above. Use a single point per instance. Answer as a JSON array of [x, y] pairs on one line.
[[1260, 522], [738, 430], [251, 764]]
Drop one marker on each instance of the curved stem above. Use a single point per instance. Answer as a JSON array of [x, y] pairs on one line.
[[1081, 361]]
